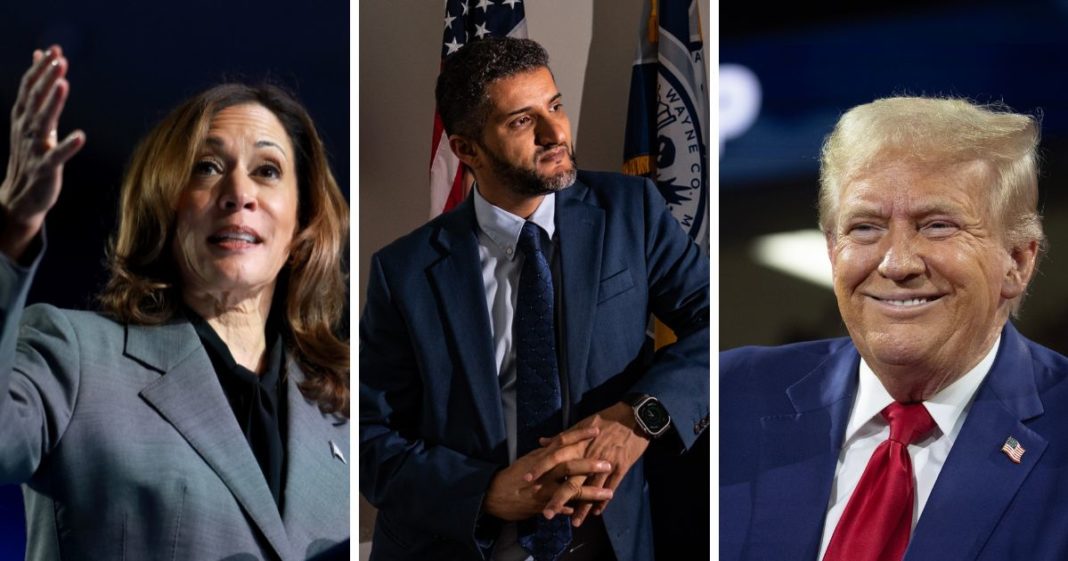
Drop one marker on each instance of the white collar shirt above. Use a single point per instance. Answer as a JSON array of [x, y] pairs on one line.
[[867, 429]]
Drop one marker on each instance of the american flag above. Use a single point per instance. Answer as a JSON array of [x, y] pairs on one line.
[[465, 20], [1013, 450]]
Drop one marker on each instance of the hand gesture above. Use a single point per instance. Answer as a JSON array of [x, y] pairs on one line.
[[617, 442], [513, 497], [35, 166]]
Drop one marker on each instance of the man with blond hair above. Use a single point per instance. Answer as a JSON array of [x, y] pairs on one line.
[[935, 430]]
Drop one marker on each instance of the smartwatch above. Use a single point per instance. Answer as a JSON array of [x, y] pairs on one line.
[[652, 418]]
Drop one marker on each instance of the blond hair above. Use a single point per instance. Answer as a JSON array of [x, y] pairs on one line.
[[940, 132]]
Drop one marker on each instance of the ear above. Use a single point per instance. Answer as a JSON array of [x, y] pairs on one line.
[[1021, 267], [466, 150]]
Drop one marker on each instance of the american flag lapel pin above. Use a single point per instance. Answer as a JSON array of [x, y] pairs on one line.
[[1013, 449]]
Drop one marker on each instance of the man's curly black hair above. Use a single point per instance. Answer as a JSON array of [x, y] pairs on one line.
[[465, 75]]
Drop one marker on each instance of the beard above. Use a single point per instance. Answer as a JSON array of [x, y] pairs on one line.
[[527, 181]]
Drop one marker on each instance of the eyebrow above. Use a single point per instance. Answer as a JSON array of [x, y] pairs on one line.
[[216, 142], [528, 107], [937, 206], [929, 207]]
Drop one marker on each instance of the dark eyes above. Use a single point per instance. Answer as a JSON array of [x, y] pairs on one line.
[[521, 121], [524, 120], [269, 170], [206, 167], [212, 167]]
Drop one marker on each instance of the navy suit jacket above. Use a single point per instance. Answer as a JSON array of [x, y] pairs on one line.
[[783, 417], [432, 432]]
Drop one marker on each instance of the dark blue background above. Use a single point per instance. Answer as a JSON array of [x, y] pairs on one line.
[[1011, 51], [130, 63]]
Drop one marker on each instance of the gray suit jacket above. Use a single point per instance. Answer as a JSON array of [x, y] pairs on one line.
[[127, 448]]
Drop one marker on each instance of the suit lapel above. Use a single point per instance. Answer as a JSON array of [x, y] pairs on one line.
[[580, 227], [461, 296], [978, 481], [316, 480], [189, 396], [799, 453]]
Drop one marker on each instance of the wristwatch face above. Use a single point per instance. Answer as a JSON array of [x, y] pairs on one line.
[[653, 417]]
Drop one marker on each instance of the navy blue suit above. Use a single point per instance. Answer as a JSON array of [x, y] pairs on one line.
[[432, 432], [783, 418]]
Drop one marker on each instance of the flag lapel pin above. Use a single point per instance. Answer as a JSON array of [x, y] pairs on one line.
[[337, 452], [1013, 449]]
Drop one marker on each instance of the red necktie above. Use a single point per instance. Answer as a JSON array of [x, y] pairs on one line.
[[876, 523]]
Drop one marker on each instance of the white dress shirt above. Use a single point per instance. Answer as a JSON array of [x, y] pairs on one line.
[[867, 429], [501, 261]]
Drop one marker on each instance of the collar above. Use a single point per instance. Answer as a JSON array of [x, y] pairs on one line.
[[503, 227], [946, 407], [223, 360]]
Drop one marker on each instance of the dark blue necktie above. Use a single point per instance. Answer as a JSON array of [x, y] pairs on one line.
[[538, 403]]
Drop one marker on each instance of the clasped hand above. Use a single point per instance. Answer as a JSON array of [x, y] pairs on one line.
[[616, 442], [562, 468], [573, 473]]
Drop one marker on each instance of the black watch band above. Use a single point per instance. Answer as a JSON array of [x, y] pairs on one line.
[[651, 416]]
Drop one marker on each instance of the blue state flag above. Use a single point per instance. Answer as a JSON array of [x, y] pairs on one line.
[[667, 117]]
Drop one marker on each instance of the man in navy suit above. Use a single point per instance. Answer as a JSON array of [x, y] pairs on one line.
[[929, 207], [443, 365]]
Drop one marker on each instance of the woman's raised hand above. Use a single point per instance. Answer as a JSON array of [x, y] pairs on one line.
[[35, 166]]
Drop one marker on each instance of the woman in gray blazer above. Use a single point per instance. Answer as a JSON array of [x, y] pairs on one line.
[[202, 413]]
